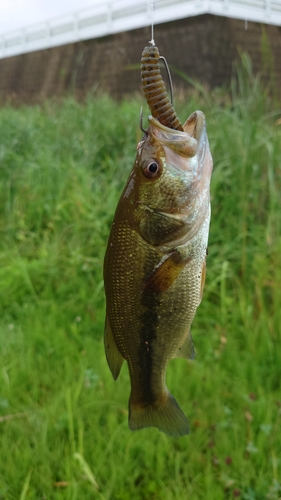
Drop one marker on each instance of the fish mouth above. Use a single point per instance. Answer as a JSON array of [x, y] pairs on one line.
[[185, 143], [193, 126]]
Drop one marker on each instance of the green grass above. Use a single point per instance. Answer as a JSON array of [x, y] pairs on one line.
[[63, 420]]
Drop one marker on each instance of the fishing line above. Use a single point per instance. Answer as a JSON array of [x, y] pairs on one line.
[[154, 87], [152, 25]]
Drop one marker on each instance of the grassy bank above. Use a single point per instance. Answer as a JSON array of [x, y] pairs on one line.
[[63, 420]]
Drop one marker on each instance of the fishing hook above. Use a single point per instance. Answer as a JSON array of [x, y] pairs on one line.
[[141, 120], [170, 79]]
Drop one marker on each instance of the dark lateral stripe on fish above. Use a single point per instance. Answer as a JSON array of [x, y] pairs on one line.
[[158, 281], [148, 333]]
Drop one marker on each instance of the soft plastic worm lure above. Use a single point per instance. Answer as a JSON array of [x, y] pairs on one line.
[[154, 89]]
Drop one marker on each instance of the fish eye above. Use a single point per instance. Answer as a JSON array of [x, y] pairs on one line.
[[151, 168]]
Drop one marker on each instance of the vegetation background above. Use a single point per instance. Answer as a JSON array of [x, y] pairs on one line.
[[63, 420]]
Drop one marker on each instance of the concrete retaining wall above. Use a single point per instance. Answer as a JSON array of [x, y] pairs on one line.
[[203, 47]]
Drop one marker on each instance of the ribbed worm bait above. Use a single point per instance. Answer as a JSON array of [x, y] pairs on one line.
[[155, 91]]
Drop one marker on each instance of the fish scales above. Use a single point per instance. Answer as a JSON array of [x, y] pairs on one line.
[[148, 316]]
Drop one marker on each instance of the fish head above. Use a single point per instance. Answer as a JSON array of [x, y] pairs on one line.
[[171, 177]]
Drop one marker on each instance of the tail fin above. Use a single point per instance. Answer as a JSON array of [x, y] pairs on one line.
[[166, 416]]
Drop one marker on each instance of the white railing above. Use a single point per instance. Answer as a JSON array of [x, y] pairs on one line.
[[120, 15]]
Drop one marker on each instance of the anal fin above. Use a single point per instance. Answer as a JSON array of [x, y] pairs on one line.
[[186, 350], [113, 356]]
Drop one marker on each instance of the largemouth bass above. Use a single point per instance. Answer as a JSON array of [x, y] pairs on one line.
[[154, 268]]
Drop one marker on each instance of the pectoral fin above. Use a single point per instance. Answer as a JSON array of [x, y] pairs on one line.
[[164, 275], [113, 356], [187, 350]]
